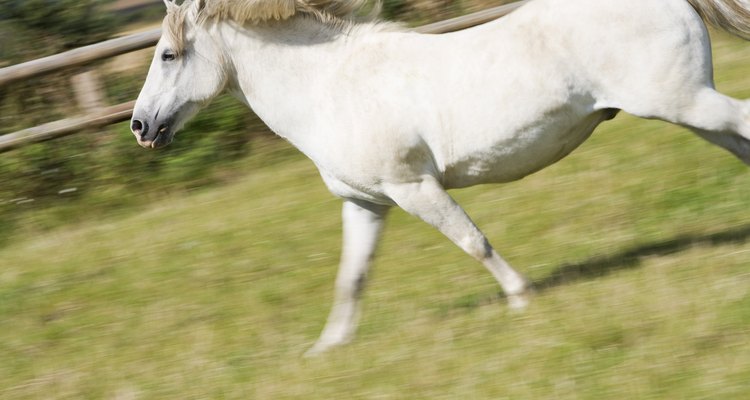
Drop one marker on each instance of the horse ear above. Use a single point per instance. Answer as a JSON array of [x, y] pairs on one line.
[[170, 5]]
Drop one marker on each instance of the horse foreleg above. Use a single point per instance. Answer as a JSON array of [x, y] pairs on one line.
[[428, 200], [362, 223]]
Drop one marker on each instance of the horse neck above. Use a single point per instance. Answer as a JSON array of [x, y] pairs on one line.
[[280, 68]]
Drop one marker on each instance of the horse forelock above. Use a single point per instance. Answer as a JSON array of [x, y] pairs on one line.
[[174, 28], [334, 12]]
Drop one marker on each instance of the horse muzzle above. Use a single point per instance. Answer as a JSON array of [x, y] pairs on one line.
[[151, 138]]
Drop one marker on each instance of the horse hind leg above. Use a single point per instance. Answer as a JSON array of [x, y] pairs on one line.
[[721, 120]]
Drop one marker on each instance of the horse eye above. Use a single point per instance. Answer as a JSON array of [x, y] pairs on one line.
[[168, 55]]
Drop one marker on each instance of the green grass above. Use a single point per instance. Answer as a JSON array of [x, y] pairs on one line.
[[638, 243]]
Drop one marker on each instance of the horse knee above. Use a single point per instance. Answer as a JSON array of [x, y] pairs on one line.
[[351, 287], [477, 246]]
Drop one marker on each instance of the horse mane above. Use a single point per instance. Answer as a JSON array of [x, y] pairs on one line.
[[334, 12], [242, 11]]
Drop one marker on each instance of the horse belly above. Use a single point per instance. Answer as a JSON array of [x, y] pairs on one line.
[[525, 153]]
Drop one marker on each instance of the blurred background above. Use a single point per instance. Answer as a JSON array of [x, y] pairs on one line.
[[204, 270]]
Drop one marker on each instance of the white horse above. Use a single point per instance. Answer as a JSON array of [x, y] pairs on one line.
[[393, 117]]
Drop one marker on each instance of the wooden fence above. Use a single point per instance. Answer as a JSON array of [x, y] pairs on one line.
[[99, 115]]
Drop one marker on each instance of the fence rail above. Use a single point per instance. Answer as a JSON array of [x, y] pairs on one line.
[[79, 57], [109, 115]]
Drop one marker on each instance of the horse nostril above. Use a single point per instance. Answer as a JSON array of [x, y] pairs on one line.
[[139, 128]]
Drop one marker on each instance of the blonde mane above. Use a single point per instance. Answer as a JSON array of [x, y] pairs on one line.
[[257, 11]]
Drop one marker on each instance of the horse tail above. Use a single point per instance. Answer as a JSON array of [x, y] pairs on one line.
[[730, 15]]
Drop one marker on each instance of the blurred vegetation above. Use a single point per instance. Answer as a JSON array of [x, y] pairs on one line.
[[51, 25], [31, 29], [94, 172]]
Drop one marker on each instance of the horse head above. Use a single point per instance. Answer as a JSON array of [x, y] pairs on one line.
[[186, 72]]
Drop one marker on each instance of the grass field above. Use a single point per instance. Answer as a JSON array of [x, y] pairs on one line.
[[637, 243]]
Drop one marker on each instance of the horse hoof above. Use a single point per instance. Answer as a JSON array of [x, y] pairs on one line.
[[318, 349], [519, 302], [313, 352]]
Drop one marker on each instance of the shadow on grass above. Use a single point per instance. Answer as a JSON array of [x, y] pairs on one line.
[[631, 258], [600, 266]]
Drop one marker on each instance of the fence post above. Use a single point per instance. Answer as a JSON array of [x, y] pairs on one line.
[[88, 91]]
